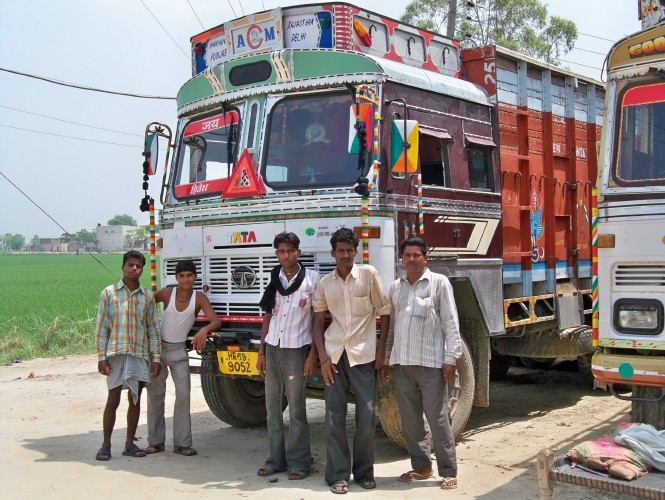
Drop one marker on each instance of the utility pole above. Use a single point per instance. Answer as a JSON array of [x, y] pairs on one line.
[[452, 18]]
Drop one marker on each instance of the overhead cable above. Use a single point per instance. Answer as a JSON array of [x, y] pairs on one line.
[[83, 87]]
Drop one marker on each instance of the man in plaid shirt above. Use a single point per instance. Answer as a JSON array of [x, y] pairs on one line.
[[128, 348]]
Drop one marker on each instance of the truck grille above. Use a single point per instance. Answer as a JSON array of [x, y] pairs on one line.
[[639, 275], [229, 299]]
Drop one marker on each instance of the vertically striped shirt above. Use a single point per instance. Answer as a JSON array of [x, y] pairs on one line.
[[353, 304], [291, 321], [127, 323], [424, 328]]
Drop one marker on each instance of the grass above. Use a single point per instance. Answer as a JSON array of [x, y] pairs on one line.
[[48, 302]]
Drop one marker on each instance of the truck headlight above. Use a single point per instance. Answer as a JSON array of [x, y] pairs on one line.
[[638, 316]]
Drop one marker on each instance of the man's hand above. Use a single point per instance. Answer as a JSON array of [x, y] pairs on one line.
[[199, 340], [261, 364], [327, 370], [449, 371], [310, 366], [155, 369], [104, 367], [386, 372]]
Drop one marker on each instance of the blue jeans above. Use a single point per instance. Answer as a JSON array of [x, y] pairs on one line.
[[361, 379], [285, 373]]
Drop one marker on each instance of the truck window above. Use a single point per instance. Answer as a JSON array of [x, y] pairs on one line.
[[309, 139], [433, 157], [480, 167], [640, 143], [207, 154]]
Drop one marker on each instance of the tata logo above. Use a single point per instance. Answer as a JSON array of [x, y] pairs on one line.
[[243, 237], [243, 277]]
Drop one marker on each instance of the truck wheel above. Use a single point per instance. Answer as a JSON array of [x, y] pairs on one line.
[[460, 400], [584, 367], [648, 412], [240, 402]]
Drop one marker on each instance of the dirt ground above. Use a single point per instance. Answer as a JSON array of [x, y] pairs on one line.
[[51, 429]]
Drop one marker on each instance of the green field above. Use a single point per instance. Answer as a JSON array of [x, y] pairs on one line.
[[48, 302]]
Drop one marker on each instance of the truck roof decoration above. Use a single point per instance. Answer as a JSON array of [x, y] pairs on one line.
[[336, 25]]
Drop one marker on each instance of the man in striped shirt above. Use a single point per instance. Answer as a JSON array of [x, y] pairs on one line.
[[422, 350], [128, 348], [285, 359]]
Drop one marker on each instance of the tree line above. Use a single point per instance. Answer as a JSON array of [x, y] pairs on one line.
[[82, 238]]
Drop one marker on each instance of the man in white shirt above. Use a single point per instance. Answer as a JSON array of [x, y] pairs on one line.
[[286, 336], [353, 295], [423, 347]]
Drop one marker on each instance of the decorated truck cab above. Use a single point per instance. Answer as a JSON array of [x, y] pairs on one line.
[[321, 116]]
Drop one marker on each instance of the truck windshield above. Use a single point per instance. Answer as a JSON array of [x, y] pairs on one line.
[[641, 136], [208, 149], [312, 142]]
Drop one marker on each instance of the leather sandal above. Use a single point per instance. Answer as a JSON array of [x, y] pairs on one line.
[[186, 451], [155, 448]]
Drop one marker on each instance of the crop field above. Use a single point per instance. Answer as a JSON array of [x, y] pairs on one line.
[[48, 302]]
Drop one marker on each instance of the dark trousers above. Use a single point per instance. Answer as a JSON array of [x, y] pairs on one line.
[[361, 379]]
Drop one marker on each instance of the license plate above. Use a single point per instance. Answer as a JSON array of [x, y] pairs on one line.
[[238, 363]]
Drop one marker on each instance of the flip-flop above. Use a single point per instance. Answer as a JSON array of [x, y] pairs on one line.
[[449, 483], [134, 451], [366, 484], [414, 475], [104, 454], [339, 488]]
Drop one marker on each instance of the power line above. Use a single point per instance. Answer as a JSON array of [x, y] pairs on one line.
[[580, 64], [241, 9], [591, 51], [83, 87], [197, 17], [67, 121], [71, 137], [165, 31], [232, 9], [56, 222], [594, 36]]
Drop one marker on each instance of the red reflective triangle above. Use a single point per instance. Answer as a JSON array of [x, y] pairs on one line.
[[245, 182]]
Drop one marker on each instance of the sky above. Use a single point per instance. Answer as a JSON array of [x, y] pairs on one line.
[[77, 154]]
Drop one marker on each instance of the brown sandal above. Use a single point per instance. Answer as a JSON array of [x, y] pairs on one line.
[[184, 451], [155, 448], [415, 475]]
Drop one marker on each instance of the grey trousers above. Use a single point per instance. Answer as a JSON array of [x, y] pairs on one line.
[[174, 359], [420, 389], [361, 379], [285, 374]]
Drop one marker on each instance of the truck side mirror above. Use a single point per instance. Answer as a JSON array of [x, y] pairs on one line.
[[404, 145]]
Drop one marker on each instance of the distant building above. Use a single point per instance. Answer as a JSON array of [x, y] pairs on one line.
[[112, 238], [52, 245]]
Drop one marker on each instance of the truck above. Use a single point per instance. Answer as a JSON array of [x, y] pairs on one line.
[[630, 214], [320, 116]]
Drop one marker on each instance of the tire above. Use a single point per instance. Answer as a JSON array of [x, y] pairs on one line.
[[584, 367], [238, 401], [538, 363], [652, 413], [460, 401]]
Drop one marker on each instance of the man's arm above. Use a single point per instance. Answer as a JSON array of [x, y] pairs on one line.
[[203, 304], [265, 327], [102, 330], [450, 325], [327, 368], [154, 341], [163, 295], [384, 325]]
